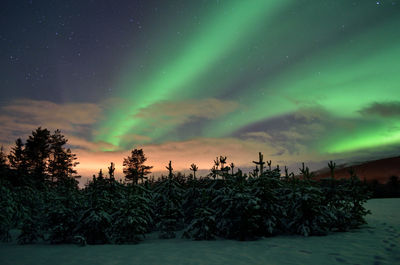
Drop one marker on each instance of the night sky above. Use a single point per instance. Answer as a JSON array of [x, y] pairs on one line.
[[189, 80]]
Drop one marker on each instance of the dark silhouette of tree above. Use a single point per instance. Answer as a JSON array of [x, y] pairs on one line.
[[194, 168], [170, 169], [3, 164], [288, 175], [170, 203], [216, 163], [37, 152], [215, 169], [393, 186], [222, 161], [224, 169], [260, 163], [62, 160], [17, 159], [3, 158], [255, 172], [332, 166], [100, 175], [307, 175], [134, 168], [269, 163], [111, 170]]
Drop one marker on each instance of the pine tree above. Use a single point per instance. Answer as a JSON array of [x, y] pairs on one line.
[[134, 168], [222, 161], [8, 209], [169, 204], [32, 205], [111, 170], [63, 205], [17, 158], [133, 218], [3, 164], [3, 159], [332, 166], [62, 160], [260, 163], [237, 209], [232, 165], [194, 168], [100, 175], [37, 152], [203, 225], [18, 164], [170, 169]]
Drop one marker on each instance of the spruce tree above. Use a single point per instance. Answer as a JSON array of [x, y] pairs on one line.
[[111, 170], [169, 205], [17, 157], [3, 164], [134, 168], [260, 163], [3, 159], [62, 160], [194, 168], [37, 152], [8, 209]]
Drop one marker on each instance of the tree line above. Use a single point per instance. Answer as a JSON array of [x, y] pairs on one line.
[[39, 196]]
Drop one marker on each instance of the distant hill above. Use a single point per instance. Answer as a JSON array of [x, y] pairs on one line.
[[380, 170]]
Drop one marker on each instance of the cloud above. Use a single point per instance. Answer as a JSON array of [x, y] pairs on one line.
[[260, 135], [20, 117], [82, 143], [382, 109], [311, 114], [293, 133], [135, 138], [180, 112], [316, 131], [53, 113]]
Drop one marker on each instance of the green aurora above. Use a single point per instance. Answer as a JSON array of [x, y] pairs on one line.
[[274, 58]]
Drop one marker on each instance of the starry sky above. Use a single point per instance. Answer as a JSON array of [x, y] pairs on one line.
[[304, 80]]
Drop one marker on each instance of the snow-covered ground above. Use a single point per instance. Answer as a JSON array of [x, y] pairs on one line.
[[376, 243]]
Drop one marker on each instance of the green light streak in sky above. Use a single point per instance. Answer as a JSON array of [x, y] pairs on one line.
[[340, 79], [215, 40], [321, 54], [375, 135]]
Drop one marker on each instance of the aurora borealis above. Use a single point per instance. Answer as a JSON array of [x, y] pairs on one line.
[[310, 80]]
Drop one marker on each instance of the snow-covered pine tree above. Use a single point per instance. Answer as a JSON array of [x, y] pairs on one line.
[[237, 210], [306, 212], [7, 211], [268, 189], [356, 195], [64, 203], [31, 207], [203, 225], [134, 216], [169, 205], [191, 196], [95, 221]]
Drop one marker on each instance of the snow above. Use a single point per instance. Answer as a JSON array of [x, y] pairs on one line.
[[378, 242]]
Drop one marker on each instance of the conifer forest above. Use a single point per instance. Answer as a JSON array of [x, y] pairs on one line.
[[40, 197]]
